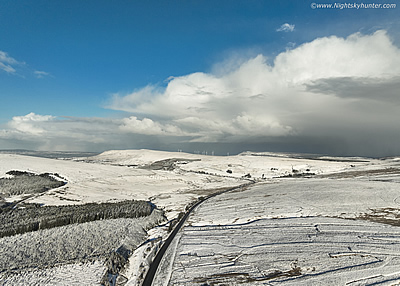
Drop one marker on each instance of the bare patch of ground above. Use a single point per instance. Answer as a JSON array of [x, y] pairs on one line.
[[168, 164], [216, 279], [362, 173], [389, 216]]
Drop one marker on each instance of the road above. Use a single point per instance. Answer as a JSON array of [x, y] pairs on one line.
[[148, 280]]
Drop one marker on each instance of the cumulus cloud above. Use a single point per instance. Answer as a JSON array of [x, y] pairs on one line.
[[331, 95], [331, 57], [47, 132], [147, 126], [30, 124], [327, 88], [286, 28]]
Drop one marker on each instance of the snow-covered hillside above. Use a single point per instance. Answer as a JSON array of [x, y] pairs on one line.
[[318, 231], [130, 174], [287, 189]]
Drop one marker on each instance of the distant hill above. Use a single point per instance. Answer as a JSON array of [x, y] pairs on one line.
[[49, 154]]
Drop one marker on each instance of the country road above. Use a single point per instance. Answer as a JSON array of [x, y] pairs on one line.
[[154, 265]]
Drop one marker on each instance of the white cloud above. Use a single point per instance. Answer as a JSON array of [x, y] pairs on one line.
[[14, 67], [8, 63], [356, 56], [41, 74], [332, 94], [305, 92], [5, 58], [129, 101], [7, 68], [147, 126], [47, 132], [30, 124], [286, 28]]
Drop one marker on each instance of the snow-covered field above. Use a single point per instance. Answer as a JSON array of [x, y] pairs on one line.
[[316, 231], [295, 222], [291, 251]]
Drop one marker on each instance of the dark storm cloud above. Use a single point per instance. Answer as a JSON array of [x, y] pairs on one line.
[[376, 89]]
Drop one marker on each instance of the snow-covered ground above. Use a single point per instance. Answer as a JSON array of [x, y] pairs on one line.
[[319, 231], [107, 177], [290, 251], [172, 180], [106, 182], [77, 274]]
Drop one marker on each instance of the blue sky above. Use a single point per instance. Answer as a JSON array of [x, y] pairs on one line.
[[73, 72]]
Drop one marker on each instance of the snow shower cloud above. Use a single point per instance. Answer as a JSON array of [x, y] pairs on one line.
[[331, 95], [328, 88]]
